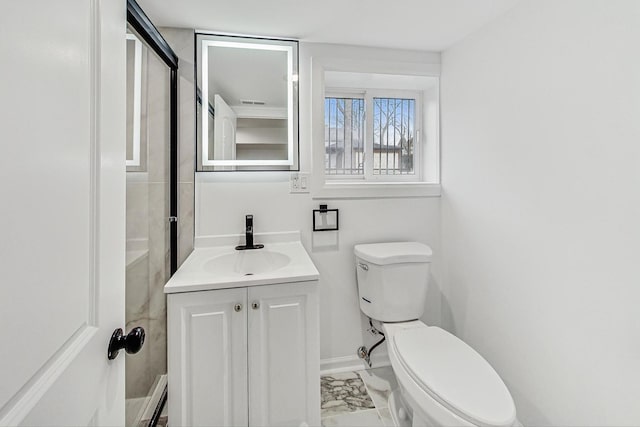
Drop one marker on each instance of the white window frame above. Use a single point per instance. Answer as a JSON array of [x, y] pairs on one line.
[[368, 95], [353, 94], [324, 186]]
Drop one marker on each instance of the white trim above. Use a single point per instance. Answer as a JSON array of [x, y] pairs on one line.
[[341, 92], [336, 365], [96, 162], [378, 66], [325, 187], [368, 190]]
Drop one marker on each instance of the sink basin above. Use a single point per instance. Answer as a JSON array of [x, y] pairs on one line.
[[218, 265], [247, 262]]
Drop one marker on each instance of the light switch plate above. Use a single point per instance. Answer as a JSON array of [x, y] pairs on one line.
[[299, 182]]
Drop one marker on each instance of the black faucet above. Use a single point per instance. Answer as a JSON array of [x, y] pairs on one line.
[[249, 235], [249, 231]]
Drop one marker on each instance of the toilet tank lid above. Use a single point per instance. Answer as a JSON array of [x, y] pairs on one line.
[[394, 252]]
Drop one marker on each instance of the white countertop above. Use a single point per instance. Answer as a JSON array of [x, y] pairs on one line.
[[196, 273]]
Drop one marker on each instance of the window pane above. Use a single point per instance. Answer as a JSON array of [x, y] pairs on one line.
[[393, 136], [344, 136]]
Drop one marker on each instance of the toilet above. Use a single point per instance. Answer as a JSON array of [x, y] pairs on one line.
[[442, 381]]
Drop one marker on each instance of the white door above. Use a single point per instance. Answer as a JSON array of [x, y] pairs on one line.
[[62, 189], [208, 358], [284, 353], [224, 130]]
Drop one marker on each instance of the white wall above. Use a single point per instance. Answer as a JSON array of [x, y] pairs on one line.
[[541, 206], [223, 199]]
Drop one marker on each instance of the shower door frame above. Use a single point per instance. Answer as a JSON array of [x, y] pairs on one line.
[[150, 34], [141, 23]]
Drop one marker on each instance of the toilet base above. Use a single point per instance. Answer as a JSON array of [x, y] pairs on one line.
[[403, 416], [401, 413]]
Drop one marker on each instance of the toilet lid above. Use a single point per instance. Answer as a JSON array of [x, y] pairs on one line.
[[455, 375], [393, 253]]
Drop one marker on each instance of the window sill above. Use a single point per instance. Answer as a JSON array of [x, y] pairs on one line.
[[368, 190]]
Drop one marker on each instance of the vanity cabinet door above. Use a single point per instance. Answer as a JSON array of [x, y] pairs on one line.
[[207, 358], [284, 355]]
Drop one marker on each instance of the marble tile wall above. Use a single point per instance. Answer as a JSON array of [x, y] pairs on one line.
[[148, 238], [148, 244], [182, 43]]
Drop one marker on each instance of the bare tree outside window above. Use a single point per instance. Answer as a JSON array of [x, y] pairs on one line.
[[393, 136], [344, 136]]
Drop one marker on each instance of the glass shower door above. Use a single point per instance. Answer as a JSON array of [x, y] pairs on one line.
[[148, 260]]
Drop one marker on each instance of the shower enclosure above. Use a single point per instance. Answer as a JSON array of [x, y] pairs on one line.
[[151, 253]]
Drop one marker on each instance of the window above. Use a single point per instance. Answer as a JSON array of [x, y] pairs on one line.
[[344, 136], [377, 135], [394, 134], [376, 146]]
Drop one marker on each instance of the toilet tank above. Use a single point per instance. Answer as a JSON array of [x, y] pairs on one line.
[[393, 279]]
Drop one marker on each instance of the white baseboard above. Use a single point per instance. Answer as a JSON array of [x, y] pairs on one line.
[[352, 363]]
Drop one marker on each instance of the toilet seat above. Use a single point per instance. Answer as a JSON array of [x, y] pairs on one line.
[[454, 375]]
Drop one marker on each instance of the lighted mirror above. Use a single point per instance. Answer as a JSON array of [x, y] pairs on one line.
[[135, 161], [247, 103]]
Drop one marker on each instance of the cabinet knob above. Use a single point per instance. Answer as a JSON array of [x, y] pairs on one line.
[[237, 307], [255, 305]]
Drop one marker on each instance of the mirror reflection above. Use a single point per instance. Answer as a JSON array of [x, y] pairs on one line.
[[251, 103], [136, 59]]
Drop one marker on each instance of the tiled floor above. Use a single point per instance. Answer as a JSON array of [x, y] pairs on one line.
[[357, 399]]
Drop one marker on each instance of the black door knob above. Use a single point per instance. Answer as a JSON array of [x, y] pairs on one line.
[[131, 343]]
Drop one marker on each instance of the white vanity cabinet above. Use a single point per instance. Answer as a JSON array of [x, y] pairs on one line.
[[245, 356]]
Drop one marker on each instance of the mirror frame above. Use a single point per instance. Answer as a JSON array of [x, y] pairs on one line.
[[204, 40]]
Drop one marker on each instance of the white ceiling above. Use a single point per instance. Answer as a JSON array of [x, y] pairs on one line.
[[406, 24]]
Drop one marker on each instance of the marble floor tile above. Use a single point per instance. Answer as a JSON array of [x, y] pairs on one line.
[[380, 382], [368, 418], [343, 393]]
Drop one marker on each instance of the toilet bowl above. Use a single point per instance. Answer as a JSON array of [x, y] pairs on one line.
[[442, 381]]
